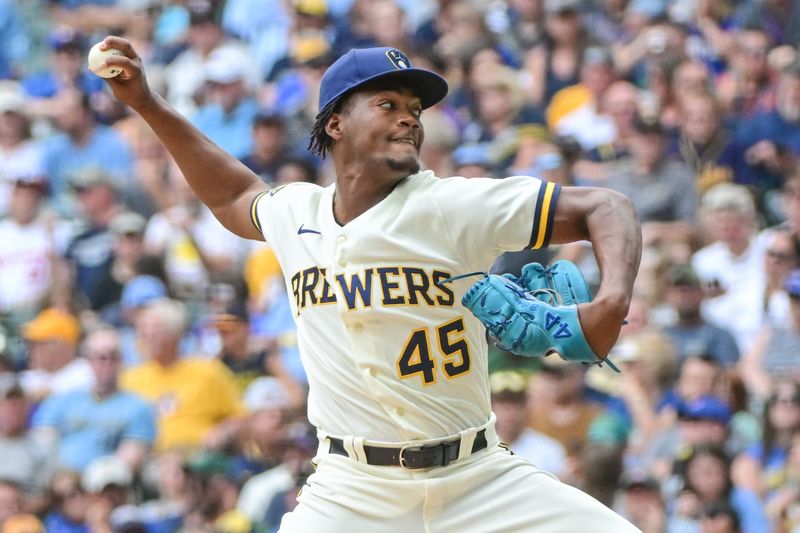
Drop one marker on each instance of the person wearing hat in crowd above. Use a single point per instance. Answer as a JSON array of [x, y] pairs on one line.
[[107, 481], [732, 262], [690, 333], [775, 352], [90, 254], [83, 425], [663, 190], [127, 231], [79, 143], [472, 160], [247, 365], [639, 500], [229, 110], [28, 253], [560, 407], [23, 523], [67, 70], [510, 404], [269, 146], [700, 420], [20, 154], [25, 461], [53, 362], [136, 294], [185, 76]]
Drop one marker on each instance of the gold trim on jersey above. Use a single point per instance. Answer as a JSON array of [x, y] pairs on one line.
[[253, 211], [544, 214]]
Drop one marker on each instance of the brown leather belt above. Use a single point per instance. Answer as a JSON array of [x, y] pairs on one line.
[[413, 457]]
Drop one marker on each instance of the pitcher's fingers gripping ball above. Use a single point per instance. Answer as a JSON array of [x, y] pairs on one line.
[[97, 56], [536, 315]]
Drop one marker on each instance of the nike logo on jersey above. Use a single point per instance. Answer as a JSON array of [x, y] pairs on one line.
[[302, 230]]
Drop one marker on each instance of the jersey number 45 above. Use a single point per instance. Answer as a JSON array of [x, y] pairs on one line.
[[416, 355]]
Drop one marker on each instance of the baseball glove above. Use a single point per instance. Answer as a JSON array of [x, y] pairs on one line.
[[535, 315]]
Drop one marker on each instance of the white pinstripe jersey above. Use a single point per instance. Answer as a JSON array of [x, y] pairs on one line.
[[390, 353]]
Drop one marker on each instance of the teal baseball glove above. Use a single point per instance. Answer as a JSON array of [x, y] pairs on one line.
[[535, 315]]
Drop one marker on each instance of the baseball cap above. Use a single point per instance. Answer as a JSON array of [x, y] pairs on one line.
[[265, 392], [105, 471], [682, 275], [12, 97], [792, 283], [561, 6], [648, 125], [91, 177], [236, 311], [597, 55], [729, 196], [23, 523], [10, 387], [52, 324], [225, 65], [471, 154], [638, 479], [705, 408], [66, 38], [359, 66], [127, 223], [508, 386], [140, 290], [311, 8]]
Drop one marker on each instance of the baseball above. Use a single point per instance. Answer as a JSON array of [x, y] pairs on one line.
[[97, 56]]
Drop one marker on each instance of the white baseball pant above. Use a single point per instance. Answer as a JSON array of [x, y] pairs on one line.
[[491, 491]]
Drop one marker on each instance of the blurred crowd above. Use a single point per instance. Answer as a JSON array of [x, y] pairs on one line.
[[149, 373]]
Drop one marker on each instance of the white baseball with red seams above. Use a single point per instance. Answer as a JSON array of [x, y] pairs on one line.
[[96, 58]]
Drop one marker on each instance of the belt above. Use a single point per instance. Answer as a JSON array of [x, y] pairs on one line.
[[411, 456]]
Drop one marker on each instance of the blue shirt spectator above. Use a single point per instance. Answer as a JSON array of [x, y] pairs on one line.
[[90, 427], [14, 41]]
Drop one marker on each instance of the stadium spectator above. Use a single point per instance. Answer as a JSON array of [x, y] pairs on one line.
[[510, 404], [229, 110], [20, 154], [53, 364], [83, 426], [27, 258], [195, 400], [25, 461], [690, 333], [731, 262], [80, 144]]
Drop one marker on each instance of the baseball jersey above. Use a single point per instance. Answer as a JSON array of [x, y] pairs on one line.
[[390, 353]]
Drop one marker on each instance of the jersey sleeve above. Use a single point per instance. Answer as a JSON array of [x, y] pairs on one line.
[[486, 217], [272, 211]]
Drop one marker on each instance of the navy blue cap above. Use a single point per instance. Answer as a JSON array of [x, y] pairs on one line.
[[359, 66], [705, 408]]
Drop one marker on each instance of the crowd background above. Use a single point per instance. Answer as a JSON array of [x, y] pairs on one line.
[[149, 377]]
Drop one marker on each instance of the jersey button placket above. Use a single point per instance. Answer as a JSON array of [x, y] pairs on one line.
[[341, 258]]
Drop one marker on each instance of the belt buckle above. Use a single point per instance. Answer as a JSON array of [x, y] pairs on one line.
[[402, 459]]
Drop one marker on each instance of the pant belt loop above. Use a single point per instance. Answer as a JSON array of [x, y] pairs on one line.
[[347, 443], [358, 448], [467, 439]]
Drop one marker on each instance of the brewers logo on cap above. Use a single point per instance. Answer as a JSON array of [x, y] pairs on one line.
[[398, 59]]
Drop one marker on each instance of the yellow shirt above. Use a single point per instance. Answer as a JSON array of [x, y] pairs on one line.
[[190, 397]]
